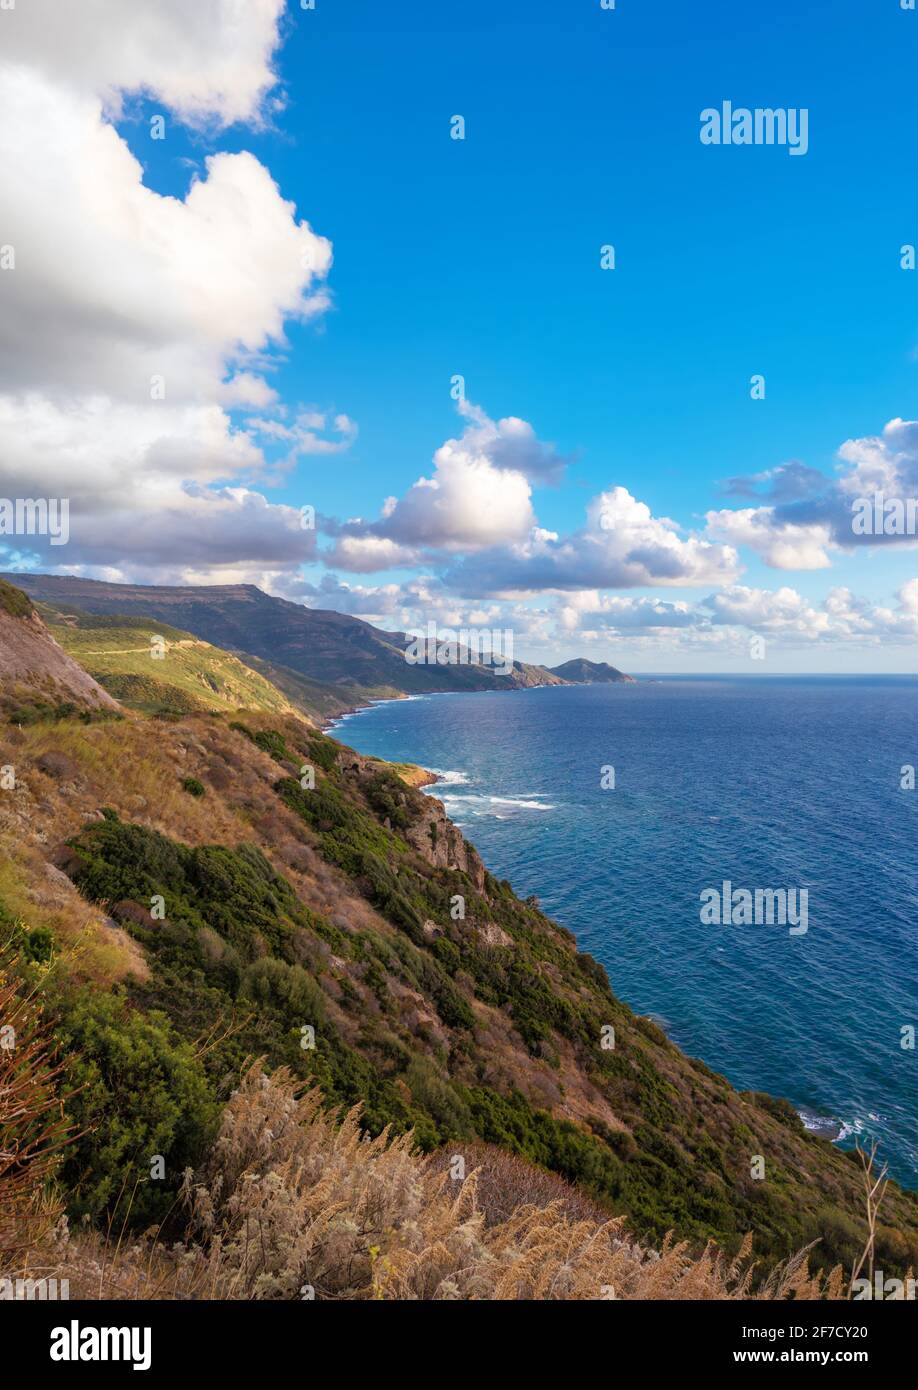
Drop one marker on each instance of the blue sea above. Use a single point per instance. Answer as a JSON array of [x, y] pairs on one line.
[[775, 782]]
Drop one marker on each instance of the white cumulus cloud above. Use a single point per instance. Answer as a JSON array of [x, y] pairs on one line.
[[203, 59], [133, 322]]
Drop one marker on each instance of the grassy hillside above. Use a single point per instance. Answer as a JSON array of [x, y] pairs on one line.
[[211, 900], [290, 1198], [179, 673]]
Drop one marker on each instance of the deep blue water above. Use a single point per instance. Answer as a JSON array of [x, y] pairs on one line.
[[783, 782]]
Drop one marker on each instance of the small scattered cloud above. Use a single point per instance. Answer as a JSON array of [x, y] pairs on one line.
[[781, 484]]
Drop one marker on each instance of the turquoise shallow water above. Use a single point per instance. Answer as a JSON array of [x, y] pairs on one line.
[[783, 782]]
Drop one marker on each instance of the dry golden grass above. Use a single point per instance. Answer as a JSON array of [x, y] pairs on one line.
[[295, 1203], [89, 947]]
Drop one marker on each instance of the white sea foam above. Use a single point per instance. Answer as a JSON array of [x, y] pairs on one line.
[[526, 804], [821, 1124], [498, 807], [837, 1130], [448, 778]]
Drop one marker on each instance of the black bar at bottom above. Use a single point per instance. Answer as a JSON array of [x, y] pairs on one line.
[[242, 1340]]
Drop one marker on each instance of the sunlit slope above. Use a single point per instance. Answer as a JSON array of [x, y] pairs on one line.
[[151, 666]]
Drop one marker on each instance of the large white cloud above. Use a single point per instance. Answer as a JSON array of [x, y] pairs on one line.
[[510, 443], [204, 59], [115, 284], [468, 503], [885, 463], [784, 545], [133, 322], [476, 506], [478, 495]]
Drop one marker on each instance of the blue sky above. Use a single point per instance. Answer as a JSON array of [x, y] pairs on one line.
[[482, 257]]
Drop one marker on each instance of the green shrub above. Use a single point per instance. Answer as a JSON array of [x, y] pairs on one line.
[[236, 892], [323, 751], [438, 1098], [137, 1092], [778, 1108], [288, 987], [38, 945], [391, 799], [268, 740]]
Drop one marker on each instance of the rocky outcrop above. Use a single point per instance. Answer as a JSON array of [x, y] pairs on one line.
[[435, 837]]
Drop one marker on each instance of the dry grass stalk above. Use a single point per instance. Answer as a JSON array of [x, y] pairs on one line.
[[874, 1192]]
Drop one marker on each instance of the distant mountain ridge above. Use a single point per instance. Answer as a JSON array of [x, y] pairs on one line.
[[331, 648]]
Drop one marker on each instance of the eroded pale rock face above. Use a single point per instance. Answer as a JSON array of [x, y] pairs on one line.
[[30, 658]]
